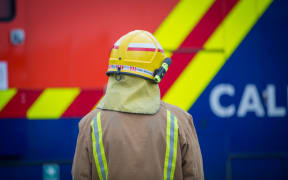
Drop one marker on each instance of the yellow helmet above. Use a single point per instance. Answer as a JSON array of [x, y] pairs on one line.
[[138, 53]]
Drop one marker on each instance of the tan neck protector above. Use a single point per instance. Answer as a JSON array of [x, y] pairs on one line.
[[131, 94]]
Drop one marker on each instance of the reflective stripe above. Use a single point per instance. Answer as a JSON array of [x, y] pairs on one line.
[[98, 148], [129, 68], [142, 47], [171, 146]]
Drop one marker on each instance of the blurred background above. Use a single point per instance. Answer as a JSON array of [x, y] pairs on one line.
[[229, 71]]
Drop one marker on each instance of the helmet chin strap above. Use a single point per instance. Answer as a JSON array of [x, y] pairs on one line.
[[118, 76]]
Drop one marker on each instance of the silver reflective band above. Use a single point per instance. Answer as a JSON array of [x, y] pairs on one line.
[[130, 68]]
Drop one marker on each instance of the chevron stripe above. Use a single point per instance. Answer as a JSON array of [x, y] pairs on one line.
[[52, 103], [199, 72], [197, 37], [84, 103], [19, 104], [183, 18], [6, 96], [49, 103]]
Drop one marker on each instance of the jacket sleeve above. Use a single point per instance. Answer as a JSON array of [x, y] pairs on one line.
[[82, 163], [192, 164]]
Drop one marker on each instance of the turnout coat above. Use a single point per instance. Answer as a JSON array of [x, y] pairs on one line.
[[117, 145]]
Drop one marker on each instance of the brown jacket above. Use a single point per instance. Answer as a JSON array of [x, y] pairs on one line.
[[135, 146]]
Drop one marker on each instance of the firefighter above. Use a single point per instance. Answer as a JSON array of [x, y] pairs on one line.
[[132, 134]]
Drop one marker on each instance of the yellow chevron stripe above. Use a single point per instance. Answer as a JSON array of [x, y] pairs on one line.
[[6, 96], [199, 72], [179, 23], [52, 103]]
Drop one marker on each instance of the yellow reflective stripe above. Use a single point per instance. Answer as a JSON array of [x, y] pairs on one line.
[[98, 148], [6, 96], [101, 145], [175, 147], [52, 103], [171, 146], [179, 23], [95, 151], [199, 72], [167, 144]]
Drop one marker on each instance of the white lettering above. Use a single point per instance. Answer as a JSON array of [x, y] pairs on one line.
[[250, 102], [217, 108], [272, 109]]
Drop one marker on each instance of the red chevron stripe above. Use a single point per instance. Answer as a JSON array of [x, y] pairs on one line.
[[20, 103], [84, 103], [196, 39]]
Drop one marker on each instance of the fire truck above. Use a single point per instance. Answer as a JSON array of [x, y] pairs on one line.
[[229, 72]]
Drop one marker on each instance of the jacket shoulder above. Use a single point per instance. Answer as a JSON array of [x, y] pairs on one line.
[[176, 110], [86, 120], [185, 121]]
